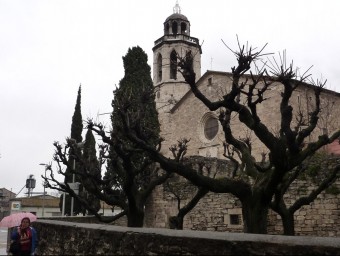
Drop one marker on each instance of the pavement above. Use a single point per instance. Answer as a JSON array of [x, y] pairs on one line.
[[3, 241]]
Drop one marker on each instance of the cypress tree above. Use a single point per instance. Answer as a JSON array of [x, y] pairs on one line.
[[131, 175], [77, 120], [92, 165], [76, 134], [132, 169], [136, 90]]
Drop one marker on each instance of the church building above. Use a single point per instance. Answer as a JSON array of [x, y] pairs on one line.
[[182, 115]]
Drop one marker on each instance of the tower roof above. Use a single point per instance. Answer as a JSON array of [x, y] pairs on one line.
[[177, 14]]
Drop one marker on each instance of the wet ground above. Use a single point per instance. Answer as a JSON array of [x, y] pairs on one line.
[[3, 241]]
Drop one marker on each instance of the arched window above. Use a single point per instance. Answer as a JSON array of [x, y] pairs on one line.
[[189, 54], [174, 28], [173, 65], [167, 27], [183, 28], [210, 127], [159, 68]]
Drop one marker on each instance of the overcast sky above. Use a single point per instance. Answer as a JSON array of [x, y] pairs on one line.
[[49, 47]]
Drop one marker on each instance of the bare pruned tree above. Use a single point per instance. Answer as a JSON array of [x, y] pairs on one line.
[[256, 184], [182, 189]]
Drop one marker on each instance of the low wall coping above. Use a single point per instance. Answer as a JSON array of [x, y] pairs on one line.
[[209, 235]]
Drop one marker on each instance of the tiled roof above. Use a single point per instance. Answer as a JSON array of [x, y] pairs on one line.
[[334, 148]]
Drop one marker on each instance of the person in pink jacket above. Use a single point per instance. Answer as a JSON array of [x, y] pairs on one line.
[[26, 236]]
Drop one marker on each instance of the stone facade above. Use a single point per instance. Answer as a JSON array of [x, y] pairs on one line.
[[182, 115], [187, 117]]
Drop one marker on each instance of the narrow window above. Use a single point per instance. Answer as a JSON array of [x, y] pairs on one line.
[[191, 58], [167, 27], [174, 28], [209, 81], [183, 28], [173, 65], [325, 131], [235, 219], [159, 68]]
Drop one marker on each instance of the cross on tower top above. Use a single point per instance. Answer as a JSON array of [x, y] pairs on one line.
[[177, 8]]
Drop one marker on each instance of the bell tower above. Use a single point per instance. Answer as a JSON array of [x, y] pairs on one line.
[[176, 41]]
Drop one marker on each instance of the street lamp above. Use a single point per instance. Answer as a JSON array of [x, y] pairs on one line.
[[75, 185], [73, 180], [43, 208]]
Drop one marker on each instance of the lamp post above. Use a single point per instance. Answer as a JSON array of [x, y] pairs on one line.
[[63, 207], [43, 207], [73, 180], [75, 185]]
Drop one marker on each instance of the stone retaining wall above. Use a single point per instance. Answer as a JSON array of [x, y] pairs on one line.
[[216, 211], [69, 238]]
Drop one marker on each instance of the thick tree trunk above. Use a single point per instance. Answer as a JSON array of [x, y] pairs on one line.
[[287, 218], [176, 222], [135, 217], [255, 215], [288, 224]]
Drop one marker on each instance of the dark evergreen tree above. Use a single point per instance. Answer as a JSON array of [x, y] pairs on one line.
[[133, 170], [136, 95], [73, 166], [92, 163], [131, 175]]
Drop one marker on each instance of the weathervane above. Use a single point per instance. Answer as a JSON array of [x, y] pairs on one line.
[[177, 9]]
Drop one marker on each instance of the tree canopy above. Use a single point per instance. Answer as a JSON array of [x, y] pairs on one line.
[[76, 135], [130, 174]]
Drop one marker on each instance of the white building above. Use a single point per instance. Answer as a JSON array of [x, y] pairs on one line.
[[41, 206]]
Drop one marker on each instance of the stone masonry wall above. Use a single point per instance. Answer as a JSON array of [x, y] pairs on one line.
[[223, 212], [320, 218], [69, 238]]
